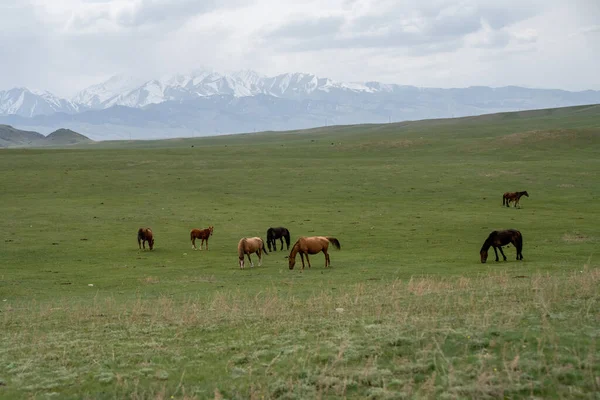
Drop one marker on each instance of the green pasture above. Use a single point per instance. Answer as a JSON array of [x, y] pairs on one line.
[[406, 311]]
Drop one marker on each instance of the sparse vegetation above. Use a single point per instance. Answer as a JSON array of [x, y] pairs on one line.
[[406, 311]]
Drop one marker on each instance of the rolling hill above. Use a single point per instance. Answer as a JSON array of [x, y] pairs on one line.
[[12, 137]]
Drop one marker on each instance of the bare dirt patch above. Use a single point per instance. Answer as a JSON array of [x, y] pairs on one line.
[[575, 237]]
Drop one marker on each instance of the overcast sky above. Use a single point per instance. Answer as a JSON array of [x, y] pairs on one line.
[[66, 45]]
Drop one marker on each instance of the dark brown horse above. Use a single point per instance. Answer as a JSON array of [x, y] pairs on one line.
[[277, 233], [312, 245], [513, 196], [497, 239], [247, 246], [202, 234], [145, 235]]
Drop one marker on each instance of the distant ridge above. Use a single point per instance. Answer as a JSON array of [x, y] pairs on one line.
[[13, 137]]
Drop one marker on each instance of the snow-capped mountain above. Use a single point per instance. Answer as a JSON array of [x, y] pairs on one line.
[[97, 95], [203, 83], [206, 102], [28, 103]]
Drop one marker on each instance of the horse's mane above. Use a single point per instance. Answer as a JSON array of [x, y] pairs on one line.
[[488, 242]]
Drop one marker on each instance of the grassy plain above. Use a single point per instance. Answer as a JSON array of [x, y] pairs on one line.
[[406, 311]]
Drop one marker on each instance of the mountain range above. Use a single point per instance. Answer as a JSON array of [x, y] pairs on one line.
[[207, 103]]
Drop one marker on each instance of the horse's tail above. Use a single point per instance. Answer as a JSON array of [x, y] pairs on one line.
[[192, 235], [504, 199], [140, 233], [519, 241], [334, 242], [287, 237], [269, 234], [241, 248], [263, 247]]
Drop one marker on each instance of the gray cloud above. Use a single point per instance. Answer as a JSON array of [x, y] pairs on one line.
[[424, 30], [65, 45], [308, 28]]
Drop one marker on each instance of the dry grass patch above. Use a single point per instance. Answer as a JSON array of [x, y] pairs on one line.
[[482, 336], [575, 237]]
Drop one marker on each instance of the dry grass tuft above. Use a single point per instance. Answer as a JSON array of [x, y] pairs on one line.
[[484, 336]]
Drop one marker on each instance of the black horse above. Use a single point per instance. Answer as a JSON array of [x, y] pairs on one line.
[[497, 239], [277, 233]]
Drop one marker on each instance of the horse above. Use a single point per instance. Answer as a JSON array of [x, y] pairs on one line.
[[278, 233], [513, 196], [312, 245], [497, 239], [145, 235], [248, 246], [202, 234]]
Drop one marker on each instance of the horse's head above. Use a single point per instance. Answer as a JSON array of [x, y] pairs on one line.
[[151, 243], [525, 193], [210, 228], [484, 256], [291, 261]]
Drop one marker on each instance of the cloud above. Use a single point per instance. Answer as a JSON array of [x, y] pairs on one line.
[[65, 45], [424, 27]]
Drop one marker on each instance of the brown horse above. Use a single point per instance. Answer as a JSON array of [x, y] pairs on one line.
[[513, 196], [248, 246], [312, 245], [202, 234], [145, 235], [497, 239]]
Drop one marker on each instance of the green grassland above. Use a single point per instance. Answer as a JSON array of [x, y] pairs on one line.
[[406, 311]]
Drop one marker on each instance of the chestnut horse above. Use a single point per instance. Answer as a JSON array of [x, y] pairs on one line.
[[497, 239], [248, 246], [202, 234], [277, 233], [312, 245], [513, 196], [145, 235]]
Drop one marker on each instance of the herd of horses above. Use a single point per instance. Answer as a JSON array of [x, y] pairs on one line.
[[311, 245], [255, 245]]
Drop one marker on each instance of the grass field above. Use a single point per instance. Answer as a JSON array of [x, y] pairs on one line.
[[406, 311]]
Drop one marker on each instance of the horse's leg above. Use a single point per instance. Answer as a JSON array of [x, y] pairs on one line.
[[302, 258], [139, 244], [496, 253], [308, 260], [502, 252], [251, 263], [327, 260], [194, 243], [281, 240], [519, 249]]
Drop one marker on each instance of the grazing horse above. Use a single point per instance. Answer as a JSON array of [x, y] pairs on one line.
[[312, 245], [497, 239], [247, 246], [202, 234], [277, 233], [513, 196], [145, 235]]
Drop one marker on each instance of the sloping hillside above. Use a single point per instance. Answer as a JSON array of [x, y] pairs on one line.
[[62, 137], [12, 137]]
